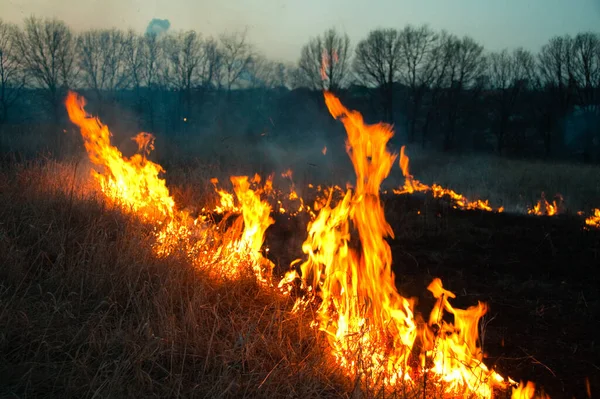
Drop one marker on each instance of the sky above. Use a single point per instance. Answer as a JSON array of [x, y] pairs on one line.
[[279, 28]]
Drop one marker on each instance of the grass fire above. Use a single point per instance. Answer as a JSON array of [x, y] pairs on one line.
[[409, 217]]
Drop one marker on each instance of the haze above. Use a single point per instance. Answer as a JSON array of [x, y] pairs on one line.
[[279, 28]]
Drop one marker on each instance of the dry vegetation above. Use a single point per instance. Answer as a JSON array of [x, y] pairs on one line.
[[515, 184], [86, 310]]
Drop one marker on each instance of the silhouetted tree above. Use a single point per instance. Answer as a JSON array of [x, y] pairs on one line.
[[324, 62], [102, 61], [46, 50], [586, 73], [377, 63], [12, 76], [211, 64], [237, 55], [265, 73], [509, 75], [418, 68], [464, 82], [440, 58], [556, 80], [184, 54]]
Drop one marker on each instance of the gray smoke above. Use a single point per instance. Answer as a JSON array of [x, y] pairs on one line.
[[158, 26]]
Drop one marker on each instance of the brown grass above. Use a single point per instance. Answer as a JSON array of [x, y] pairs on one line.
[[86, 310], [515, 184]]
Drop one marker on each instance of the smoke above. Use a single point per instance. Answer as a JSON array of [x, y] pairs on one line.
[[158, 26]]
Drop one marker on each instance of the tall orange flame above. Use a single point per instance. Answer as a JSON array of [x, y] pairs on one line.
[[134, 184], [371, 328]]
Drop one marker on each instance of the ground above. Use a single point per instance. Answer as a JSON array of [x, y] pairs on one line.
[[86, 309]]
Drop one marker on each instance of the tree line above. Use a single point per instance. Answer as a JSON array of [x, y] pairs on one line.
[[445, 91]]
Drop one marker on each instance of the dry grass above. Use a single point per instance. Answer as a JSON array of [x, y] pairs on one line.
[[86, 310], [516, 184]]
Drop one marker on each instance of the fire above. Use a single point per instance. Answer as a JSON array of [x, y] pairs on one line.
[[255, 215], [372, 330], [134, 184], [543, 207], [131, 182], [412, 185], [594, 220], [527, 391]]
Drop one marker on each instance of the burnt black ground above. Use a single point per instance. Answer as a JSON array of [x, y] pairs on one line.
[[539, 276]]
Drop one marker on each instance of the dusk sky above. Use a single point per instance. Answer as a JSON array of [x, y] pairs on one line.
[[279, 28]]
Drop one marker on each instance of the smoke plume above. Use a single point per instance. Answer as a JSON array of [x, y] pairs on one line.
[[158, 26]]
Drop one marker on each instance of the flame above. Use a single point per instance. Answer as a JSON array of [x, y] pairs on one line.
[[134, 184], [412, 185], [527, 391], [543, 207], [594, 220], [327, 61], [371, 328], [255, 214]]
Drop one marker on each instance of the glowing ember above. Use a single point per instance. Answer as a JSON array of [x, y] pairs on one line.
[[594, 220], [371, 328], [412, 185]]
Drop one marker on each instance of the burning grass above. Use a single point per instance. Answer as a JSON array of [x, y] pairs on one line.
[[152, 245], [87, 309]]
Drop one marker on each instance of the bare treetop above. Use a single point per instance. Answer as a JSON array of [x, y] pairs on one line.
[[46, 49], [237, 55], [325, 61], [12, 77], [102, 59]]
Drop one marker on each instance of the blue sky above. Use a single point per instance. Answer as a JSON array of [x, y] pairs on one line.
[[280, 27]]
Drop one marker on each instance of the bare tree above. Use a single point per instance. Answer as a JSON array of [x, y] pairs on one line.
[[265, 73], [377, 63], [509, 75], [211, 64], [417, 68], [439, 61], [464, 81], [12, 76], [102, 61], [146, 71], [324, 61], [184, 53], [237, 55], [586, 73], [556, 80], [586, 66], [46, 50]]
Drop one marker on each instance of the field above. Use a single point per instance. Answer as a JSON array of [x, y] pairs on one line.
[[87, 309]]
